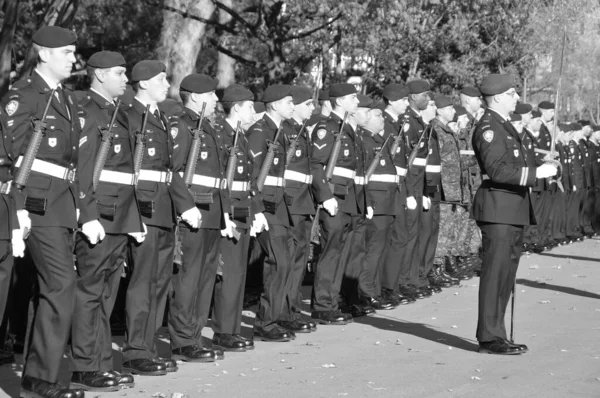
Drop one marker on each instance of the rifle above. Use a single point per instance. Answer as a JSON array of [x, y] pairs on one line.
[[375, 161], [39, 130], [192, 160], [105, 144], [230, 171], [293, 145], [415, 150], [398, 138], [140, 143], [268, 162]]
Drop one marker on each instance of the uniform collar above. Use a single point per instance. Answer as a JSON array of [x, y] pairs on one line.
[[394, 118], [53, 84], [504, 118], [153, 107], [273, 120], [102, 97]]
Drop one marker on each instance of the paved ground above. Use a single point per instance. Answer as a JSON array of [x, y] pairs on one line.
[[426, 349]]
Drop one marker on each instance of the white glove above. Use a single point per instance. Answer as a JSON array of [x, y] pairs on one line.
[[192, 217], [545, 171], [369, 212], [24, 222], [18, 244], [331, 206], [77, 212], [259, 224], [139, 236], [574, 188], [229, 227], [93, 231], [411, 203], [426, 202]]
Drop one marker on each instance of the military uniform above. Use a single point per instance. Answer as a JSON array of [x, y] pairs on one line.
[[576, 200], [595, 155], [536, 235], [589, 194]]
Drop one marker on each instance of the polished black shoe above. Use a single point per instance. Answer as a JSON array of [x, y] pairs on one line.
[[408, 291], [378, 303], [396, 298], [296, 326], [171, 364], [432, 289], [124, 380], [426, 292], [193, 353], [6, 357], [313, 325], [329, 317], [498, 347], [219, 354], [36, 388], [275, 334], [455, 271], [93, 381], [522, 347], [249, 342], [144, 367], [228, 342], [358, 311], [346, 316], [436, 279]]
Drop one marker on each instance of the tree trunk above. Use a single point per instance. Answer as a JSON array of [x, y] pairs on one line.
[[181, 39], [226, 64], [6, 38]]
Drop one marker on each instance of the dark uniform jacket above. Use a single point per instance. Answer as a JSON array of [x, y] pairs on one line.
[[545, 138], [531, 144], [382, 187], [347, 167], [8, 211], [577, 167], [595, 155], [159, 201], [587, 163], [507, 172], [433, 169], [273, 194], [415, 179], [566, 165], [452, 176], [114, 202], [210, 186], [243, 198], [394, 127], [298, 169], [26, 101]]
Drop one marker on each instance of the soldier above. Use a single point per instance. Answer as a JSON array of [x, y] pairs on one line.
[[559, 220], [161, 195], [324, 104], [298, 182], [470, 100], [193, 284], [50, 196], [588, 195], [108, 204], [275, 243], [595, 154], [339, 193], [501, 208], [395, 268], [246, 212]]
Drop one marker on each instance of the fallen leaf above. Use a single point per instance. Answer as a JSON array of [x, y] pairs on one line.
[[475, 378], [159, 395], [545, 302], [454, 327], [563, 350], [434, 318], [178, 395], [399, 342], [328, 365], [534, 266], [254, 369], [242, 374], [377, 343], [456, 293], [225, 372], [282, 361]]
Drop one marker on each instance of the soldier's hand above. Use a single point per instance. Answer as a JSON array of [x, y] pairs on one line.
[[18, 244], [426, 202], [331, 206], [229, 227], [411, 203], [24, 223], [139, 236], [259, 224], [192, 217], [545, 171], [370, 212], [93, 231]]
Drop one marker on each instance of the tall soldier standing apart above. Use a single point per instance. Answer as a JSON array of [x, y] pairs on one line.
[[161, 194], [502, 207], [108, 205], [50, 196], [194, 282]]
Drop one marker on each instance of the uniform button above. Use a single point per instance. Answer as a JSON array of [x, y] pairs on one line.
[[74, 148]]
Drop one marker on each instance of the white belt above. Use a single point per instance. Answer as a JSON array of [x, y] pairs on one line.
[[239, 186], [117, 177], [5, 187], [485, 177], [50, 169], [274, 181], [466, 152], [296, 176], [401, 171], [344, 172], [391, 178], [430, 168], [358, 180], [205, 181], [155, 176], [419, 162]]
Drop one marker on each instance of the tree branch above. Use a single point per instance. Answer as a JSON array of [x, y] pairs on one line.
[[186, 14], [229, 53], [310, 32], [237, 17]]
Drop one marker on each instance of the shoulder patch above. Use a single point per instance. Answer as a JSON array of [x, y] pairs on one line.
[[174, 132], [82, 122], [11, 107], [488, 135], [321, 133], [406, 127]]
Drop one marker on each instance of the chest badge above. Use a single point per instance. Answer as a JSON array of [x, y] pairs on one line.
[[382, 162], [298, 153], [151, 151], [488, 135], [174, 132], [52, 142], [203, 155], [276, 161], [346, 152], [82, 122], [516, 153], [240, 169], [321, 133], [11, 107], [117, 148]]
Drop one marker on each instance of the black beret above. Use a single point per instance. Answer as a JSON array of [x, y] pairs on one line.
[[259, 107], [546, 105], [276, 92], [418, 86], [522, 108], [584, 122], [496, 84], [460, 110], [198, 83], [323, 95], [106, 59], [341, 89], [441, 101], [364, 101], [54, 37], [431, 96], [515, 117], [378, 104], [566, 128], [395, 91], [314, 119], [595, 127], [301, 94], [576, 126], [471, 91], [535, 114], [146, 70], [237, 92]]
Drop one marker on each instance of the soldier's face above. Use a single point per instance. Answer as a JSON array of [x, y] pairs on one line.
[[285, 107], [210, 99], [447, 113], [453, 126], [429, 113], [463, 121], [304, 110], [361, 116], [535, 125], [421, 100], [518, 126], [59, 60], [113, 80], [526, 119], [348, 103], [158, 87], [400, 105], [375, 120], [246, 113], [509, 99], [473, 104], [547, 114]]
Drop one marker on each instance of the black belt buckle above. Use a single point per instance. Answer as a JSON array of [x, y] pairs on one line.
[[146, 208], [270, 207], [203, 198], [107, 210], [36, 205], [240, 213]]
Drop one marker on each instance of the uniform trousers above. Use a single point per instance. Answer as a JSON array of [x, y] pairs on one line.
[[559, 215], [152, 269], [395, 268], [99, 270], [596, 213], [51, 250], [276, 274], [588, 210], [412, 255], [501, 254], [193, 286], [377, 238], [353, 256], [229, 290], [429, 228], [6, 267], [299, 251], [573, 206], [533, 234]]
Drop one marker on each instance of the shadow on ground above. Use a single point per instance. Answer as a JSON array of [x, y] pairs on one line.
[[558, 288]]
